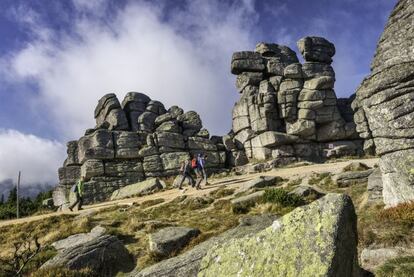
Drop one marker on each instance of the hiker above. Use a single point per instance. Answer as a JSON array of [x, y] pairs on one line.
[[196, 167], [78, 190], [201, 161], [186, 173]]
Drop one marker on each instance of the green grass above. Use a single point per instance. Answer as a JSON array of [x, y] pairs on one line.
[[282, 197]]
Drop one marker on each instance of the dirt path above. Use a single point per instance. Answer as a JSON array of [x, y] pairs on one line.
[[230, 182]]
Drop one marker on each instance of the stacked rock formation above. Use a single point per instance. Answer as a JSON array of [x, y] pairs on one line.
[[289, 110], [131, 142], [384, 109]]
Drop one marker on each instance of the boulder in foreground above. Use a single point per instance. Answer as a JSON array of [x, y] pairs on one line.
[[104, 254], [319, 239]]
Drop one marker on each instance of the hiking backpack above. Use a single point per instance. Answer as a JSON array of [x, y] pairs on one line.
[[194, 163]]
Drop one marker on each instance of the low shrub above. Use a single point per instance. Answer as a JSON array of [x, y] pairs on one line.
[[403, 213], [282, 197]]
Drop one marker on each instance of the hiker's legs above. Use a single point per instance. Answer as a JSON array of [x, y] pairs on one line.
[[188, 175], [80, 203], [204, 176], [182, 181], [198, 182], [76, 202]]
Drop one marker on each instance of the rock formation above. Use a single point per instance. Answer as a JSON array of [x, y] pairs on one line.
[[131, 141], [384, 109], [288, 110]]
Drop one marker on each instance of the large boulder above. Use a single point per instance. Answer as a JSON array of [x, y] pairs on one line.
[[171, 239], [316, 49], [134, 104], [98, 145], [321, 239], [188, 263], [145, 187], [104, 254], [384, 107], [109, 110]]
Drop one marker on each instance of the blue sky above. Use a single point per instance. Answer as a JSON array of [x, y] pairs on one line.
[[58, 57]]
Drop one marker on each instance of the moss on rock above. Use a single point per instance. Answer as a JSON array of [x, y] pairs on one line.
[[319, 239]]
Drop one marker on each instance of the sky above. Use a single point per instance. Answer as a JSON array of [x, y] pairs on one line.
[[57, 58]]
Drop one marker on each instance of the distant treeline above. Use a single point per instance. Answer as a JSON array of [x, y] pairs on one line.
[[27, 206]]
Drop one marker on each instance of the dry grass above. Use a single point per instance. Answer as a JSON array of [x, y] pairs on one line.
[[399, 267]]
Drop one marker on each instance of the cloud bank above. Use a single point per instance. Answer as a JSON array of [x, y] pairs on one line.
[[35, 157], [178, 60]]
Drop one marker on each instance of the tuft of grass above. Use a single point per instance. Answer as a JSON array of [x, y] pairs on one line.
[[401, 267], [282, 197], [403, 213], [221, 192], [63, 272], [152, 202]]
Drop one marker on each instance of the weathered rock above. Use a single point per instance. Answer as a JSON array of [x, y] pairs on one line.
[[350, 178], [145, 187], [188, 263], [375, 186], [371, 259], [248, 78], [247, 61], [146, 121], [321, 238], [172, 161], [109, 110], [134, 104], [384, 107], [171, 140], [244, 202], [171, 239], [169, 126], [397, 177], [190, 122], [104, 254], [260, 182], [316, 49], [92, 168], [305, 191], [72, 151], [98, 145], [126, 144]]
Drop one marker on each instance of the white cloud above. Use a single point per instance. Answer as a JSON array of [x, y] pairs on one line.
[[179, 61], [37, 158]]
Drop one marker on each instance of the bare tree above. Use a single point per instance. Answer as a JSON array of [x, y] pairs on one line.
[[24, 252]]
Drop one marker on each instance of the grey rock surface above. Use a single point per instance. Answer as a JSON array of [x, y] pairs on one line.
[[321, 238], [188, 263], [105, 254], [171, 239], [145, 187], [384, 108]]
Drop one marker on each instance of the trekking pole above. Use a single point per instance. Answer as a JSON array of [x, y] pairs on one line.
[[17, 195]]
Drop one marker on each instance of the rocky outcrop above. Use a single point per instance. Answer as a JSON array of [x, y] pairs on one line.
[[188, 263], [104, 254], [132, 141], [349, 178], [285, 104], [321, 239], [384, 110]]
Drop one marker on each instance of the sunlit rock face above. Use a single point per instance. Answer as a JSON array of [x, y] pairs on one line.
[[384, 110]]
